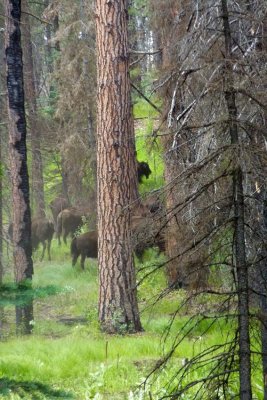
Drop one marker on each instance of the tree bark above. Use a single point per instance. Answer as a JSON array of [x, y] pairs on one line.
[[17, 144], [1, 212], [178, 233], [239, 212], [1, 168], [30, 95], [48, 48], [263, 265], [118, 308]]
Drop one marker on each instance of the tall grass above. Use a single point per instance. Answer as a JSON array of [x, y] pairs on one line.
[[67, 356]]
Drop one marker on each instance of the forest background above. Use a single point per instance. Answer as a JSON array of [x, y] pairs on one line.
[[198, 78]]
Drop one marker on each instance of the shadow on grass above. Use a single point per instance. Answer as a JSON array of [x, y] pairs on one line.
[[23, 294], [31, 390]]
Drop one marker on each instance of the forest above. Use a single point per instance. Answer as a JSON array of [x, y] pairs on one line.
[[133, 207]]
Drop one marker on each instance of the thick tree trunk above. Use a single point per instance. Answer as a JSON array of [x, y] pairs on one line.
[[263, 305], [178, 233], [17, 144], [1, 215], [1, 171], [24, 318], [174, 271], [1, 180], [239, 225], [263, 266], [118, 308], [30, 95]]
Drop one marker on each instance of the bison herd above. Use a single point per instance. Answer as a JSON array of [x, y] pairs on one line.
[[67, 220]]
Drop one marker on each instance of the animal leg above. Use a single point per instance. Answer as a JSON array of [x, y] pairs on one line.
[[82, 260], [58, 234], [48, 249], [74, 259], [44, 247], [65, 234]]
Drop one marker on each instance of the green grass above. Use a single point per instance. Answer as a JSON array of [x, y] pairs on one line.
[[64, 353], [68, 357]]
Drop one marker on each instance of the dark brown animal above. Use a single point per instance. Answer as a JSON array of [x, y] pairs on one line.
[[84, 245], [68, 221], [154, 203], [146, 234], [57, 205], [143, 170], [42, 231]]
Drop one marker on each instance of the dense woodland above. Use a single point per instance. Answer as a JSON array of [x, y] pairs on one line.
[[133, 200]]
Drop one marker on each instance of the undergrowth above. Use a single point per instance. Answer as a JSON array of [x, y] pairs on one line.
[[68, 357]]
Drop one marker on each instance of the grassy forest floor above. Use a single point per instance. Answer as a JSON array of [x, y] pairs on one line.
[[68, 357]]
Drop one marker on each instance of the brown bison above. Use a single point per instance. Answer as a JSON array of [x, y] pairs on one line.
[[84, 245], [68, 221], [154, 203], [42, 232], [146, 234], [57, 205], [143, 170]]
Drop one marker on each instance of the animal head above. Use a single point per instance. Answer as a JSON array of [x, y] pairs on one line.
[[143, 170]]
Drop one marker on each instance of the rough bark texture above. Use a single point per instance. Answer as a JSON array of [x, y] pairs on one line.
[[17, 144], [48, 49], [118, 309], [239, 225], [172, 166], [30, 96], [263, 266], [1, 211], [1, 172], [178, 234], [24, 318], [174, 272]]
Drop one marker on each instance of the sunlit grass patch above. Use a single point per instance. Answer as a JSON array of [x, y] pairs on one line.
[[79, 358]]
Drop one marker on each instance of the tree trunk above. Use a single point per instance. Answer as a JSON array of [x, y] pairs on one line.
[[263, 266], [263, 306], [17, 145], [174, 271], [64, 177], [1, 212], [30, 95], [118, 308], [178, 233], [239, 212], [24, 318], [48, 49], [1, 168]]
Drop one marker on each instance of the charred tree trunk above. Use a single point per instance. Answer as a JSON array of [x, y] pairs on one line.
[[118, 308], [1, 212], [1, 170], [239, 214], [17, 144], [263, 265], [30, 95]]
